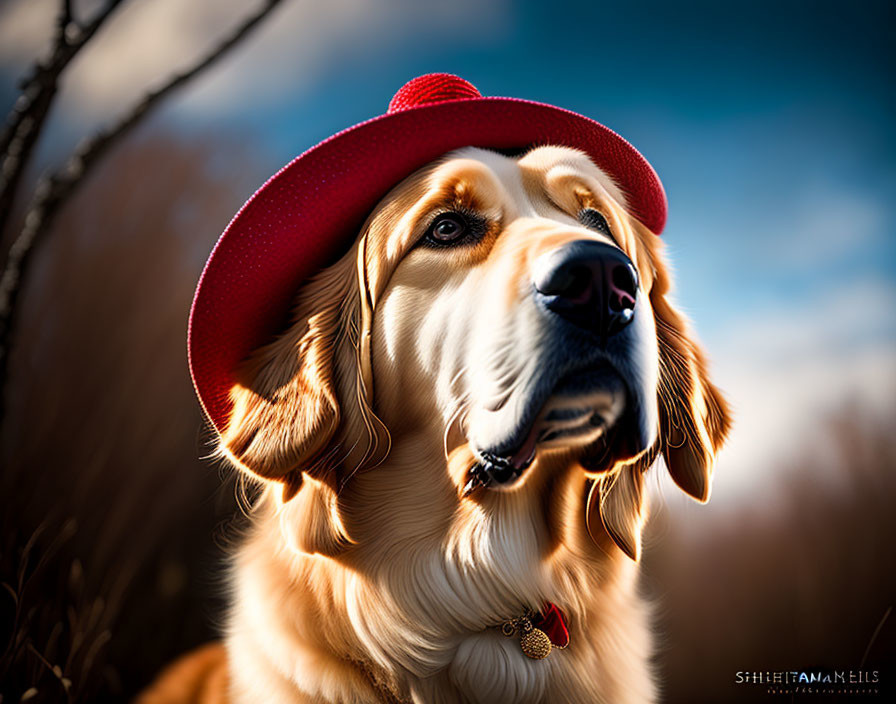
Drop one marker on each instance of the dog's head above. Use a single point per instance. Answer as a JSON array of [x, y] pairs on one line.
[[510, 307]]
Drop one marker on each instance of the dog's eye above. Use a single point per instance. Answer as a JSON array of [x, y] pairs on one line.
[[594, 220], [447, 228]]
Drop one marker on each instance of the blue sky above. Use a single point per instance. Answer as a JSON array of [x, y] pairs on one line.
[[770, 124]]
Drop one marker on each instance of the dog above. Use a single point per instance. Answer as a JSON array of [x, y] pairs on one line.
[[511, 322]]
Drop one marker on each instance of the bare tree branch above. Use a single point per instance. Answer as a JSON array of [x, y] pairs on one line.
[[54, 189], [66, 14], [27, 117]]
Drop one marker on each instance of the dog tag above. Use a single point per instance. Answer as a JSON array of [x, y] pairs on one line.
[[535, 643]]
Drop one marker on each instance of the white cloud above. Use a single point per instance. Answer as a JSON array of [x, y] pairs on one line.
[[789, 369], [799, 329], [832, 222], [821, 223]]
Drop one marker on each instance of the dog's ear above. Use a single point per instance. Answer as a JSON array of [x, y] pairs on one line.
[[615, 506], [286, 408], [694, 417]]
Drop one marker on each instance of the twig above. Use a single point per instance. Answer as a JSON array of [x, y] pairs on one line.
[[54, 189], [66, 13], [27, 117], [875, 634]]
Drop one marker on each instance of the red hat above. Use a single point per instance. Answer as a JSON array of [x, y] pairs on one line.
[[308, 214]]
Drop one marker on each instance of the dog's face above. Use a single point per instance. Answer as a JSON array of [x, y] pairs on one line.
[[517, 312], [509, 306]]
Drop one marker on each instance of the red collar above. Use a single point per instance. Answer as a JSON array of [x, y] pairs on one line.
[[552, 621]]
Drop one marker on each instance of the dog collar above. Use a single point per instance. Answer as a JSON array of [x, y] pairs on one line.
[[539, 633]]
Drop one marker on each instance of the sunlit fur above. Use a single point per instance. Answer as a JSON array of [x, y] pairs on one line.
[[367, 575]]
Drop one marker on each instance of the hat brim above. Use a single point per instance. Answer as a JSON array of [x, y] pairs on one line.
[[308, 214]]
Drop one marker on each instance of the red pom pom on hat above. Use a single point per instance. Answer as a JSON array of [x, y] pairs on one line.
[[432, 88]]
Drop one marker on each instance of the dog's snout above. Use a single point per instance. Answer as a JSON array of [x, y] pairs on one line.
[[591, 284]]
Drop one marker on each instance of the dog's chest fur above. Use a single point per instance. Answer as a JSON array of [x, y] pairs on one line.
[[416, 614]]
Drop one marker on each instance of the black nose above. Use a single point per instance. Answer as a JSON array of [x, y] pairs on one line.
[[591, 284]]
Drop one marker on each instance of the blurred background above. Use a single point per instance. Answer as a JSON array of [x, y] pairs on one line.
[[771, 126]]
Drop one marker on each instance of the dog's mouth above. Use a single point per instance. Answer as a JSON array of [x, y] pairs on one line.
[[581, 413]]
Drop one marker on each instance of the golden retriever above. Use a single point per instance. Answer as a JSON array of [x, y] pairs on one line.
[[455, 429]]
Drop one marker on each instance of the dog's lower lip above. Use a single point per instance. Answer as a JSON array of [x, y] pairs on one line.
[[561, 414], [594, 420], [523, 457]]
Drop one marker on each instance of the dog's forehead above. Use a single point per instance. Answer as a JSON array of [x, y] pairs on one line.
[[505, 168], [532, 173]]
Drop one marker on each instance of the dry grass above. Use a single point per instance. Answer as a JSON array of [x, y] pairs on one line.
[[110, 524], [108, 515]]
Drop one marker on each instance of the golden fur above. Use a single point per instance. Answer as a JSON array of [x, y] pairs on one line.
[[368, 575]]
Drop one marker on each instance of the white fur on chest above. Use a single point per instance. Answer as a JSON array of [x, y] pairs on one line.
[[429, 618]]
